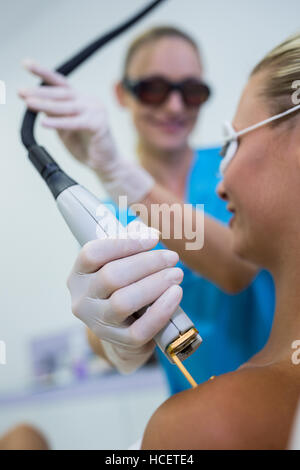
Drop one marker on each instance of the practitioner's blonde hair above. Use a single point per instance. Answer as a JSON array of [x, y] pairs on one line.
[[282, 68], [153, 35]]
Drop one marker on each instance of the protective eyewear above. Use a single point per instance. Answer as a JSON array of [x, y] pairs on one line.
[[154, 91], [231, 143]]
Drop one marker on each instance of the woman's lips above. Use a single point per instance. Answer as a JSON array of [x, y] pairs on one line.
[[170, 127], [232, 210], [231, 222]]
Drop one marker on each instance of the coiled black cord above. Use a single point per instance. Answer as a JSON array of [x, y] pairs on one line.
[[27, 131]]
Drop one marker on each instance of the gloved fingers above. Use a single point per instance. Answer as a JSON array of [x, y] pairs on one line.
[[156, 316], [90, 311], [127, 360], [48, 92], [124, 272], [137, 229], [48, 76], [97, 253], [128, 300], [78, 285], [71, 123], [55, 108], [137, 338]]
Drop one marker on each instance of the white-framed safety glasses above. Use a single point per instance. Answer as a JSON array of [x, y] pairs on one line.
[[231, 142]]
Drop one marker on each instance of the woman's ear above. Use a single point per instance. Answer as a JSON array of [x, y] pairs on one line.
[[120, 94]]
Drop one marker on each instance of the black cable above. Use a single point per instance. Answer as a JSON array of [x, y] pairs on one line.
[[27, 131]]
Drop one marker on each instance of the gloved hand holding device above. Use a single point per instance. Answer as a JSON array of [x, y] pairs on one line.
[[88, 219], [114, 278], [82, 124]]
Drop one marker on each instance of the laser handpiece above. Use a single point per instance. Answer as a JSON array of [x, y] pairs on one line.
[[88, 220], [81, 209]]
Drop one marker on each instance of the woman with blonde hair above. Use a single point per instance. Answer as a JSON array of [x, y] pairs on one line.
[[163, 87], [253, 407]]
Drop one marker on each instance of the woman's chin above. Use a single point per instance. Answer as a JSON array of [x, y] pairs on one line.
[[240, 246], [168, 143], [245, 250], [171, 146]]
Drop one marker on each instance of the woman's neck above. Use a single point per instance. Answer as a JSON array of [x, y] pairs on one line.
[[286, 325], [169, 168]]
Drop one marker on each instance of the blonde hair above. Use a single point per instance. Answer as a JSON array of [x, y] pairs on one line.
[[154, 34], [282, 66]]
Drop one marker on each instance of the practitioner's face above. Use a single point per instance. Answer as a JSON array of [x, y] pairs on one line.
[[168, 126], [261, 184]]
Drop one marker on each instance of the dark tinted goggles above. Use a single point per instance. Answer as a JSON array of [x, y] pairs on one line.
[[154, 91]]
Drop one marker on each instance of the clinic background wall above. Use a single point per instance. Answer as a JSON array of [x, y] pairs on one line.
[[36, 249]]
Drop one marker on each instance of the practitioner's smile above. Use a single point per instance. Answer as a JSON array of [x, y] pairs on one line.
[[165, 127], [169, 125]]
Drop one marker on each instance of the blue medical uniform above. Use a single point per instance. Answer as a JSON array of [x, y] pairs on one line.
[[233, 327]]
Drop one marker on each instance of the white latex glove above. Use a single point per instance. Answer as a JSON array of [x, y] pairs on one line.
[[82, 124], [113, 279]]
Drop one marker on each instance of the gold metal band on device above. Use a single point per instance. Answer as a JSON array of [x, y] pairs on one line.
[[182, 341]]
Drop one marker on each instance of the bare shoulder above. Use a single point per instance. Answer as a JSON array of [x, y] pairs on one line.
[[248, 409]]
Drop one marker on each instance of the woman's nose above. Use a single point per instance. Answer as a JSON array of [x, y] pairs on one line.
[[221, 191], [174, 102]]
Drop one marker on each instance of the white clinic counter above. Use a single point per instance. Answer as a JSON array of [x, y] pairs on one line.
[[108, 412]]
